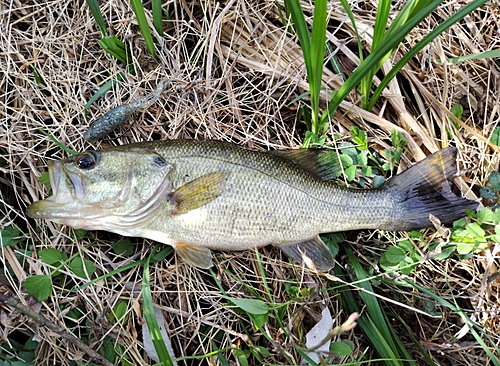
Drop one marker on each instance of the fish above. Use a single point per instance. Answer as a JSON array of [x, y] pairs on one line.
[[116, 117], [199, 196]]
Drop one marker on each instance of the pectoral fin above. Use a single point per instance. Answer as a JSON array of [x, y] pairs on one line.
[[197, 256], [199, 192], [313, 253]]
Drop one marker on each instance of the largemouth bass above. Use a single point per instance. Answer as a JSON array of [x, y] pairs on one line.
[[199, 196]]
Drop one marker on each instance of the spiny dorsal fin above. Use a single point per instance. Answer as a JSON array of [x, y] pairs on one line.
[[312, 252], [321, 163], [199, 192]]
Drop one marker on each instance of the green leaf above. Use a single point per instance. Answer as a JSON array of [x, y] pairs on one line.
[[349, 149], [408, 265], [397, 139], [378, 181], [475, 230], [395, 255], [362, 159], [487, 192], [346, 160], [51, 256], [387, 166], [496, 217], [397, 155], [367, 171], [495, 136], [259, 319], [454, 18], [250, 306], [102, 90], [467, 247], [446, 252], [360, 138], [39, 286], [79, 234], [41, 83], [485, 215], [162, 254], [457, 110], [241, 356], [341, 349], [263, 351], [351, 173], [123, 247], [118, 313], [10, 236], [494, 180], [77, 267], [405, 245]]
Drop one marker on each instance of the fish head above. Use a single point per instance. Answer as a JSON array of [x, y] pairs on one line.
[[105, 190]]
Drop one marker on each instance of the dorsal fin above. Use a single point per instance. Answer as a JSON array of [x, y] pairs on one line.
[[322, 163]]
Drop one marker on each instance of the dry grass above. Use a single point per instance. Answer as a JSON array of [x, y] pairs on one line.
[[240, 71]]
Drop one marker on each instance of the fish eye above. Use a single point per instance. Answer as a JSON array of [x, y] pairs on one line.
[[85, 161]]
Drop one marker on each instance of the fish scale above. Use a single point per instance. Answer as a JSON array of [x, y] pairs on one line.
[[200, 196]]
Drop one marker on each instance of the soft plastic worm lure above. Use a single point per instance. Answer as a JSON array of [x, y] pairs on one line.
[[107, 123]]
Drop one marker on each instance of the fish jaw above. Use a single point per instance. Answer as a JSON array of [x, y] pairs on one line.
[[65, 206], [123, 213]]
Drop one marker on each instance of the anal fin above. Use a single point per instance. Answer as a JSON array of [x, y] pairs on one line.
[[193, 254], [312, 252]]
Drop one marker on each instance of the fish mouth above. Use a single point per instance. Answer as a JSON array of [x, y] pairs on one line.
[[65, 199]]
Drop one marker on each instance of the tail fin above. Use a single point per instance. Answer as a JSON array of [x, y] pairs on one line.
[[424, 189]]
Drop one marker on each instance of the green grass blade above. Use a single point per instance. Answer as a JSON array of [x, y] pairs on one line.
[[115, 48], [374, 58], [459, 15], [41, 83], [149, 315], [55, 141], [377, 337], [294, 10], [415, 341], [472, 326], [102, 90], [334, 61], [476, 56], [350, 14], [138, 9], [96, 13], [318, 38], [379, 30], [372, 304], [157, 16], [381, 19]]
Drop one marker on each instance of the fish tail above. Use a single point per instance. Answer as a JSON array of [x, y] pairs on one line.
[[424, 189]]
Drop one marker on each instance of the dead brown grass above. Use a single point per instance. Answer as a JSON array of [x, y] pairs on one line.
[[240, 71]]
